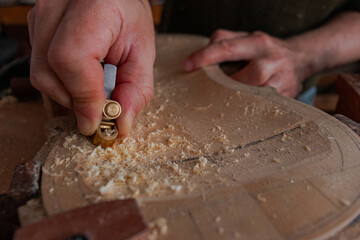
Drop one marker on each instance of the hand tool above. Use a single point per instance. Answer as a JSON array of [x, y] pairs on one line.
[[107, 132]]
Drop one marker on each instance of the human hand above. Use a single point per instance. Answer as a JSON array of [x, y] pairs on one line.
[[70, 37], [272, 62]]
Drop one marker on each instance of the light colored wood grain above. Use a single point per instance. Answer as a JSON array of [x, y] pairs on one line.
[[311, 191]]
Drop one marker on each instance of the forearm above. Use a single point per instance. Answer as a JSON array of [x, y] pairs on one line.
[[335, 43]]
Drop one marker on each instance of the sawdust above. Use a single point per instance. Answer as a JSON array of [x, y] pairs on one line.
[[130, 170], [31, 212], [276, 160], [217, 219], [307, 148], [109, 132], [345, 202], [150, 162], [8, 100], [170, 154], [160, 159], [261, 198], [6, 97], [157, 161], [237, 235], [221, 230], [159, 227]]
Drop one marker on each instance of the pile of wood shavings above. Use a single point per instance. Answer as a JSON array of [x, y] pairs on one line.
[[150, 162], [137, 167]]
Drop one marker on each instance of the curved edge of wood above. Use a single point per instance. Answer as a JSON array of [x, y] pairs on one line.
[[217, 74]]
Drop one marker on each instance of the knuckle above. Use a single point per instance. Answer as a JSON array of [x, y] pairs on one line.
[[42, 85], [142, 95], [84, 96], [226, 46], [263, 38], [147, 93], [59, 58], [217, 34]]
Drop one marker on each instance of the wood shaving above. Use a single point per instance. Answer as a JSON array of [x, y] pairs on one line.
[[345, 202], [109, 132], [46, 171], [307, 148], [221, 230], [276, 160], [223, 139], [261, 198], [158, 228], [237, 235], [203, 108], [8, 100]]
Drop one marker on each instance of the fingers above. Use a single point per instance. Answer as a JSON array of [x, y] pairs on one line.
[[46, 81], [75, 54], [70, 38], [222, 34], [256, 73], [133, 91], [133, 98], [272, 61], [42, 77], [271, 75], [134, 80], [285, 83], [225, 50], [42, 26]]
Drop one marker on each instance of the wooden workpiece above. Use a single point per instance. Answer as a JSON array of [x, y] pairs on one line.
[[250, 164]]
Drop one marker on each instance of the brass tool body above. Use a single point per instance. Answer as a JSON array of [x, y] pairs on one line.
[[107, 132]]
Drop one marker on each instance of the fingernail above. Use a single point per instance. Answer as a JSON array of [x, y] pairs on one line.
[[188, 65], [85, 126]]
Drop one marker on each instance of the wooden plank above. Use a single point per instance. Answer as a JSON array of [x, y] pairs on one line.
[[119, 219]]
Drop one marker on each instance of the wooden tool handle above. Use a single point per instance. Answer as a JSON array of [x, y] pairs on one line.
[[111, 220], [350, 123]]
